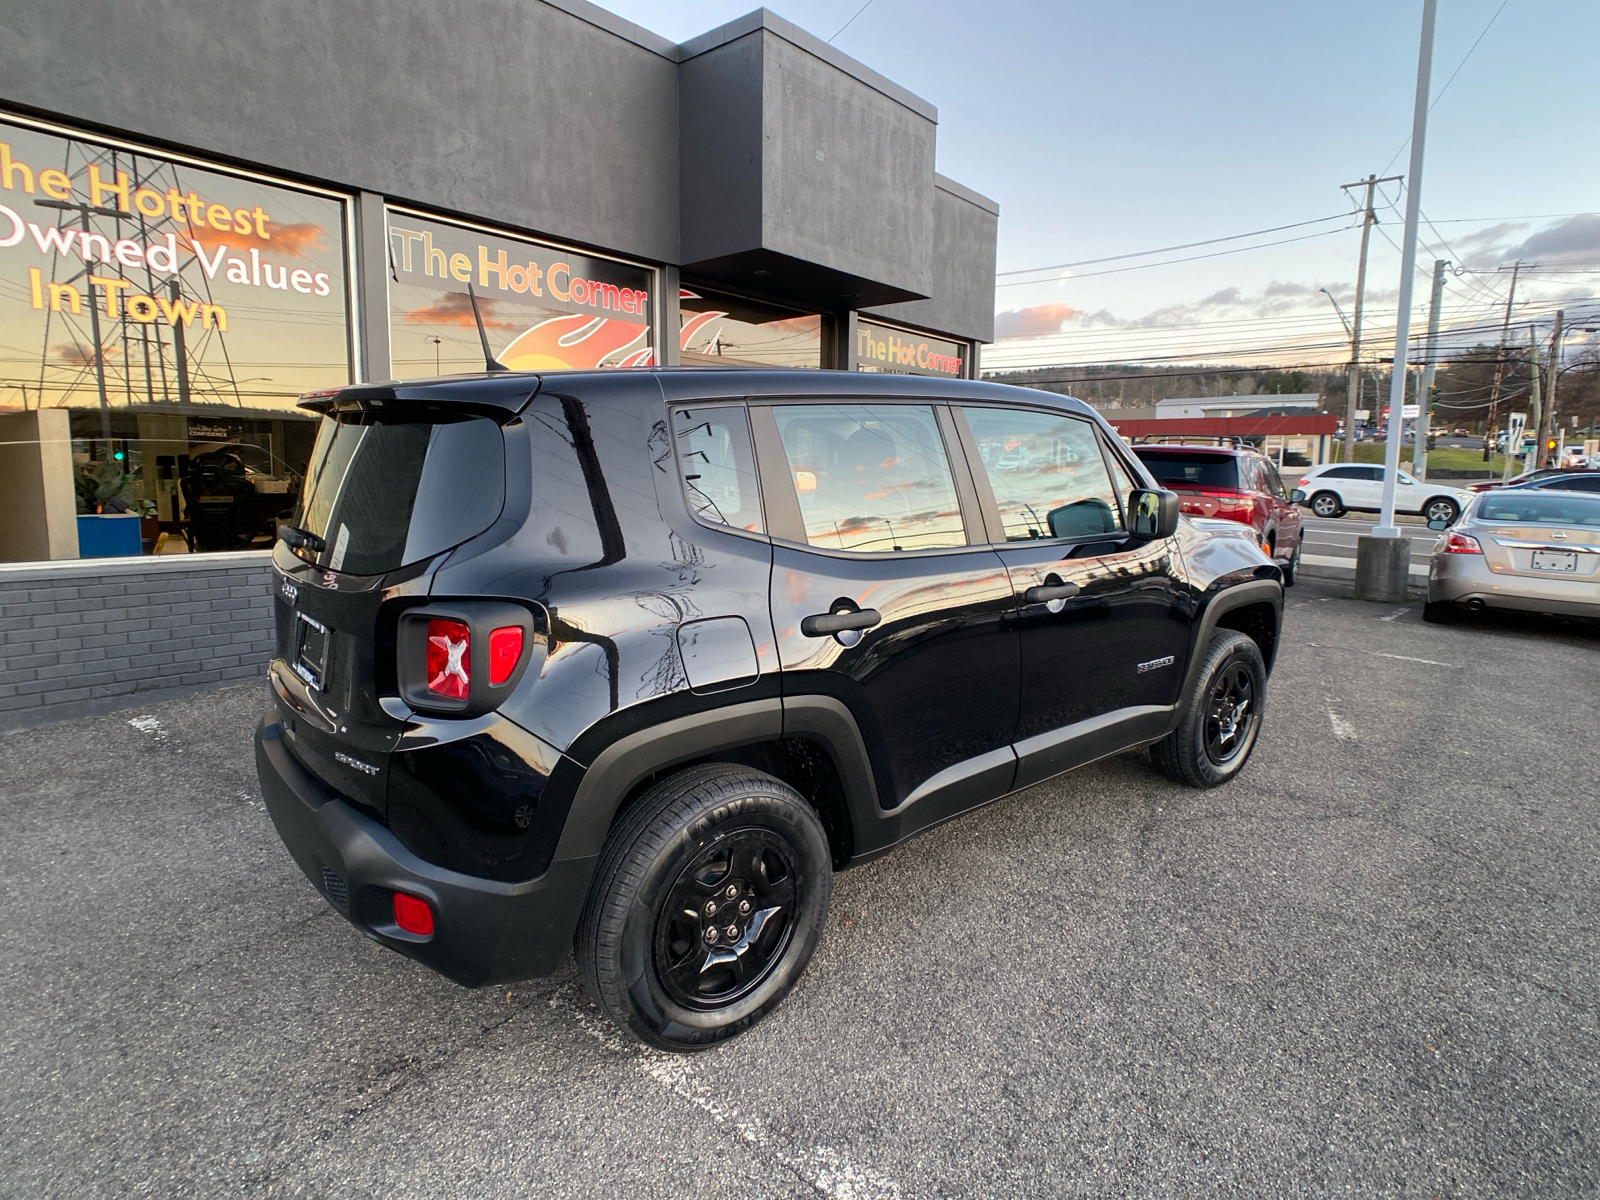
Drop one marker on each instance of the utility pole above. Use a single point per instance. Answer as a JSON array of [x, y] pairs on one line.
[[1419, 448], [1353, 387], [1534, 410], [1547, 417], [1383, 559], [1500, 368]]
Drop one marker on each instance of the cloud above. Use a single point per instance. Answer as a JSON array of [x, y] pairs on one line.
[[287, 241], [455, 308], [1032, 322], [78, 356], [1576, 238]]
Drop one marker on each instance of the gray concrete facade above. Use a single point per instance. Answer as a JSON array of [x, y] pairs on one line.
[[755, 156]]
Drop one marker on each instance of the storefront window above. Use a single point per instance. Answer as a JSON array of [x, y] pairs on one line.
[[883, 348], [160, 319], [723, 330], [544, 308]]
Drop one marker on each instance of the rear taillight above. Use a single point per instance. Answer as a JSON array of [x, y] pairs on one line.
[[1229, 504], [1304, 481], [413, 915], [1460, 543], [449, 664], [505, 651]]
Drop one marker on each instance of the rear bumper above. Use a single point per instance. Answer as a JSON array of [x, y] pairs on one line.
[[484, 932], [1464, 578]]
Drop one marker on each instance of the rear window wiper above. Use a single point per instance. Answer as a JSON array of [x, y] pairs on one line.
[[300, 539]]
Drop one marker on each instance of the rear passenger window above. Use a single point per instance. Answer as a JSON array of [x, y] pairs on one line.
[[870, 477], [717, 465], [1048, 478]]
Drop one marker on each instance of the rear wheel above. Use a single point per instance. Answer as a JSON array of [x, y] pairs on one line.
[[1441, 508], [1293, 565], [1222, 717], [709, 898], [1439, 614], [1326, 504]]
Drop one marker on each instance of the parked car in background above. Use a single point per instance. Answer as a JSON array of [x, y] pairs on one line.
[[1566, 481], [1332, 490], [1526, 477], [1232, 485], [1528, 548]]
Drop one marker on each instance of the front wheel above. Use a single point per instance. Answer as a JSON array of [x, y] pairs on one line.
[[1441, 508], [1326, 504], [1221, 718], [709, 898], [1292, 567]]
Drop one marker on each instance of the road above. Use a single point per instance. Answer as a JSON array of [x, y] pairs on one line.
[[1331, 542], [1366, 967]]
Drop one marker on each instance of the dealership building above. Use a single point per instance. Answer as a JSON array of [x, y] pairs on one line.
[[206, 211]]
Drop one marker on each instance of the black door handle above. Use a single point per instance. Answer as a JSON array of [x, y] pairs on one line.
[[1043, 595], [823, 624]]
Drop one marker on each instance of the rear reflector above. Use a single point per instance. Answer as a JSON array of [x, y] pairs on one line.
[[413, 915], [449, 663], [505, 650]]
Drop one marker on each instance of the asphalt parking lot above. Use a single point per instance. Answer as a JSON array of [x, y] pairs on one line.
[[1367, 967]]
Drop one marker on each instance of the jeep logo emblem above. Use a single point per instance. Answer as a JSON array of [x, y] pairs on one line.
[[1157, 663]]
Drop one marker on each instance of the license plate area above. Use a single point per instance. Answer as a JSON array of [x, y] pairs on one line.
[[1556, 560], [311, 650]]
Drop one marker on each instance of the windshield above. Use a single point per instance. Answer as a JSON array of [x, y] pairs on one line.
[[383, 493], [1538, 508], [1179, 468]]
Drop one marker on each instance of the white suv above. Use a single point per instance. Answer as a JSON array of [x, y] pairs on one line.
[[1333, 489]]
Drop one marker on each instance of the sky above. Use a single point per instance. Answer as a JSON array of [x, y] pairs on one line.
[[1115, 129]]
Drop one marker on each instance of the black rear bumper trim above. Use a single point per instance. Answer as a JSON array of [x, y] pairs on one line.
[[485, 932]]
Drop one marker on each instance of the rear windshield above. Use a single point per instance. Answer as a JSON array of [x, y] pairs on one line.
[[1186, 469], [1539, 508], [383, 493]]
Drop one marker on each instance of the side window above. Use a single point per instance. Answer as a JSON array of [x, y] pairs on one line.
[[1371, 474], [1122, 479], [1048, 476], [717, 464], [1250, 477], [1273, 480], [870, 477]]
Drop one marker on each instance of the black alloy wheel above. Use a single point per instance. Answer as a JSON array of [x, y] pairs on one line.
[[728, 918], [1326, 504], [1222, 715], [706, 904], [1231, 715]]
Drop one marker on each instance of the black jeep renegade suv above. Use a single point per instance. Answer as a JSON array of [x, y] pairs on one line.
[[632, 661]]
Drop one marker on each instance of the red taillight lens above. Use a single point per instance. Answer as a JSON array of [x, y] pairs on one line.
[[449, 659], [505, 650], [1460, 543], [413, 915]]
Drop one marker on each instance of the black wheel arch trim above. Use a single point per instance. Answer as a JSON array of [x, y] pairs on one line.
[[1218, 605]]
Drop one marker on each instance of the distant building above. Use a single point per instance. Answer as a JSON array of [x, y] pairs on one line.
[[1297, 404]]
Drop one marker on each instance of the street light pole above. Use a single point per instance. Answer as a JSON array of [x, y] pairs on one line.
[[1386, 570], [1419, 448]]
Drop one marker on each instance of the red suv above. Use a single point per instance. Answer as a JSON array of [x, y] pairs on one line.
[[1231, 485]]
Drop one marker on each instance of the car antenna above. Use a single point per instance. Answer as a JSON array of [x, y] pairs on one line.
[[490, 363]]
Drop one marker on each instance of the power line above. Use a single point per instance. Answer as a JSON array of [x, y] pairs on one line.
[[1171, 261], [1232, 237], [1440, 94], [851, 21]]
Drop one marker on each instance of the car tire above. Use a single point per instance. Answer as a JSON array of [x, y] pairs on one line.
[[687, 985], [1327, 504], [1439, 613], [1209, 747], [1441, 508], [1292, 567]]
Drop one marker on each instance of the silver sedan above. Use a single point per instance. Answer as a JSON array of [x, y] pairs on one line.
[[1519, 548]]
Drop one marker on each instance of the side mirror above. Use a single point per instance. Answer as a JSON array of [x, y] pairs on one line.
[[1153, 513], [1298, 496], [1438, 524]]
